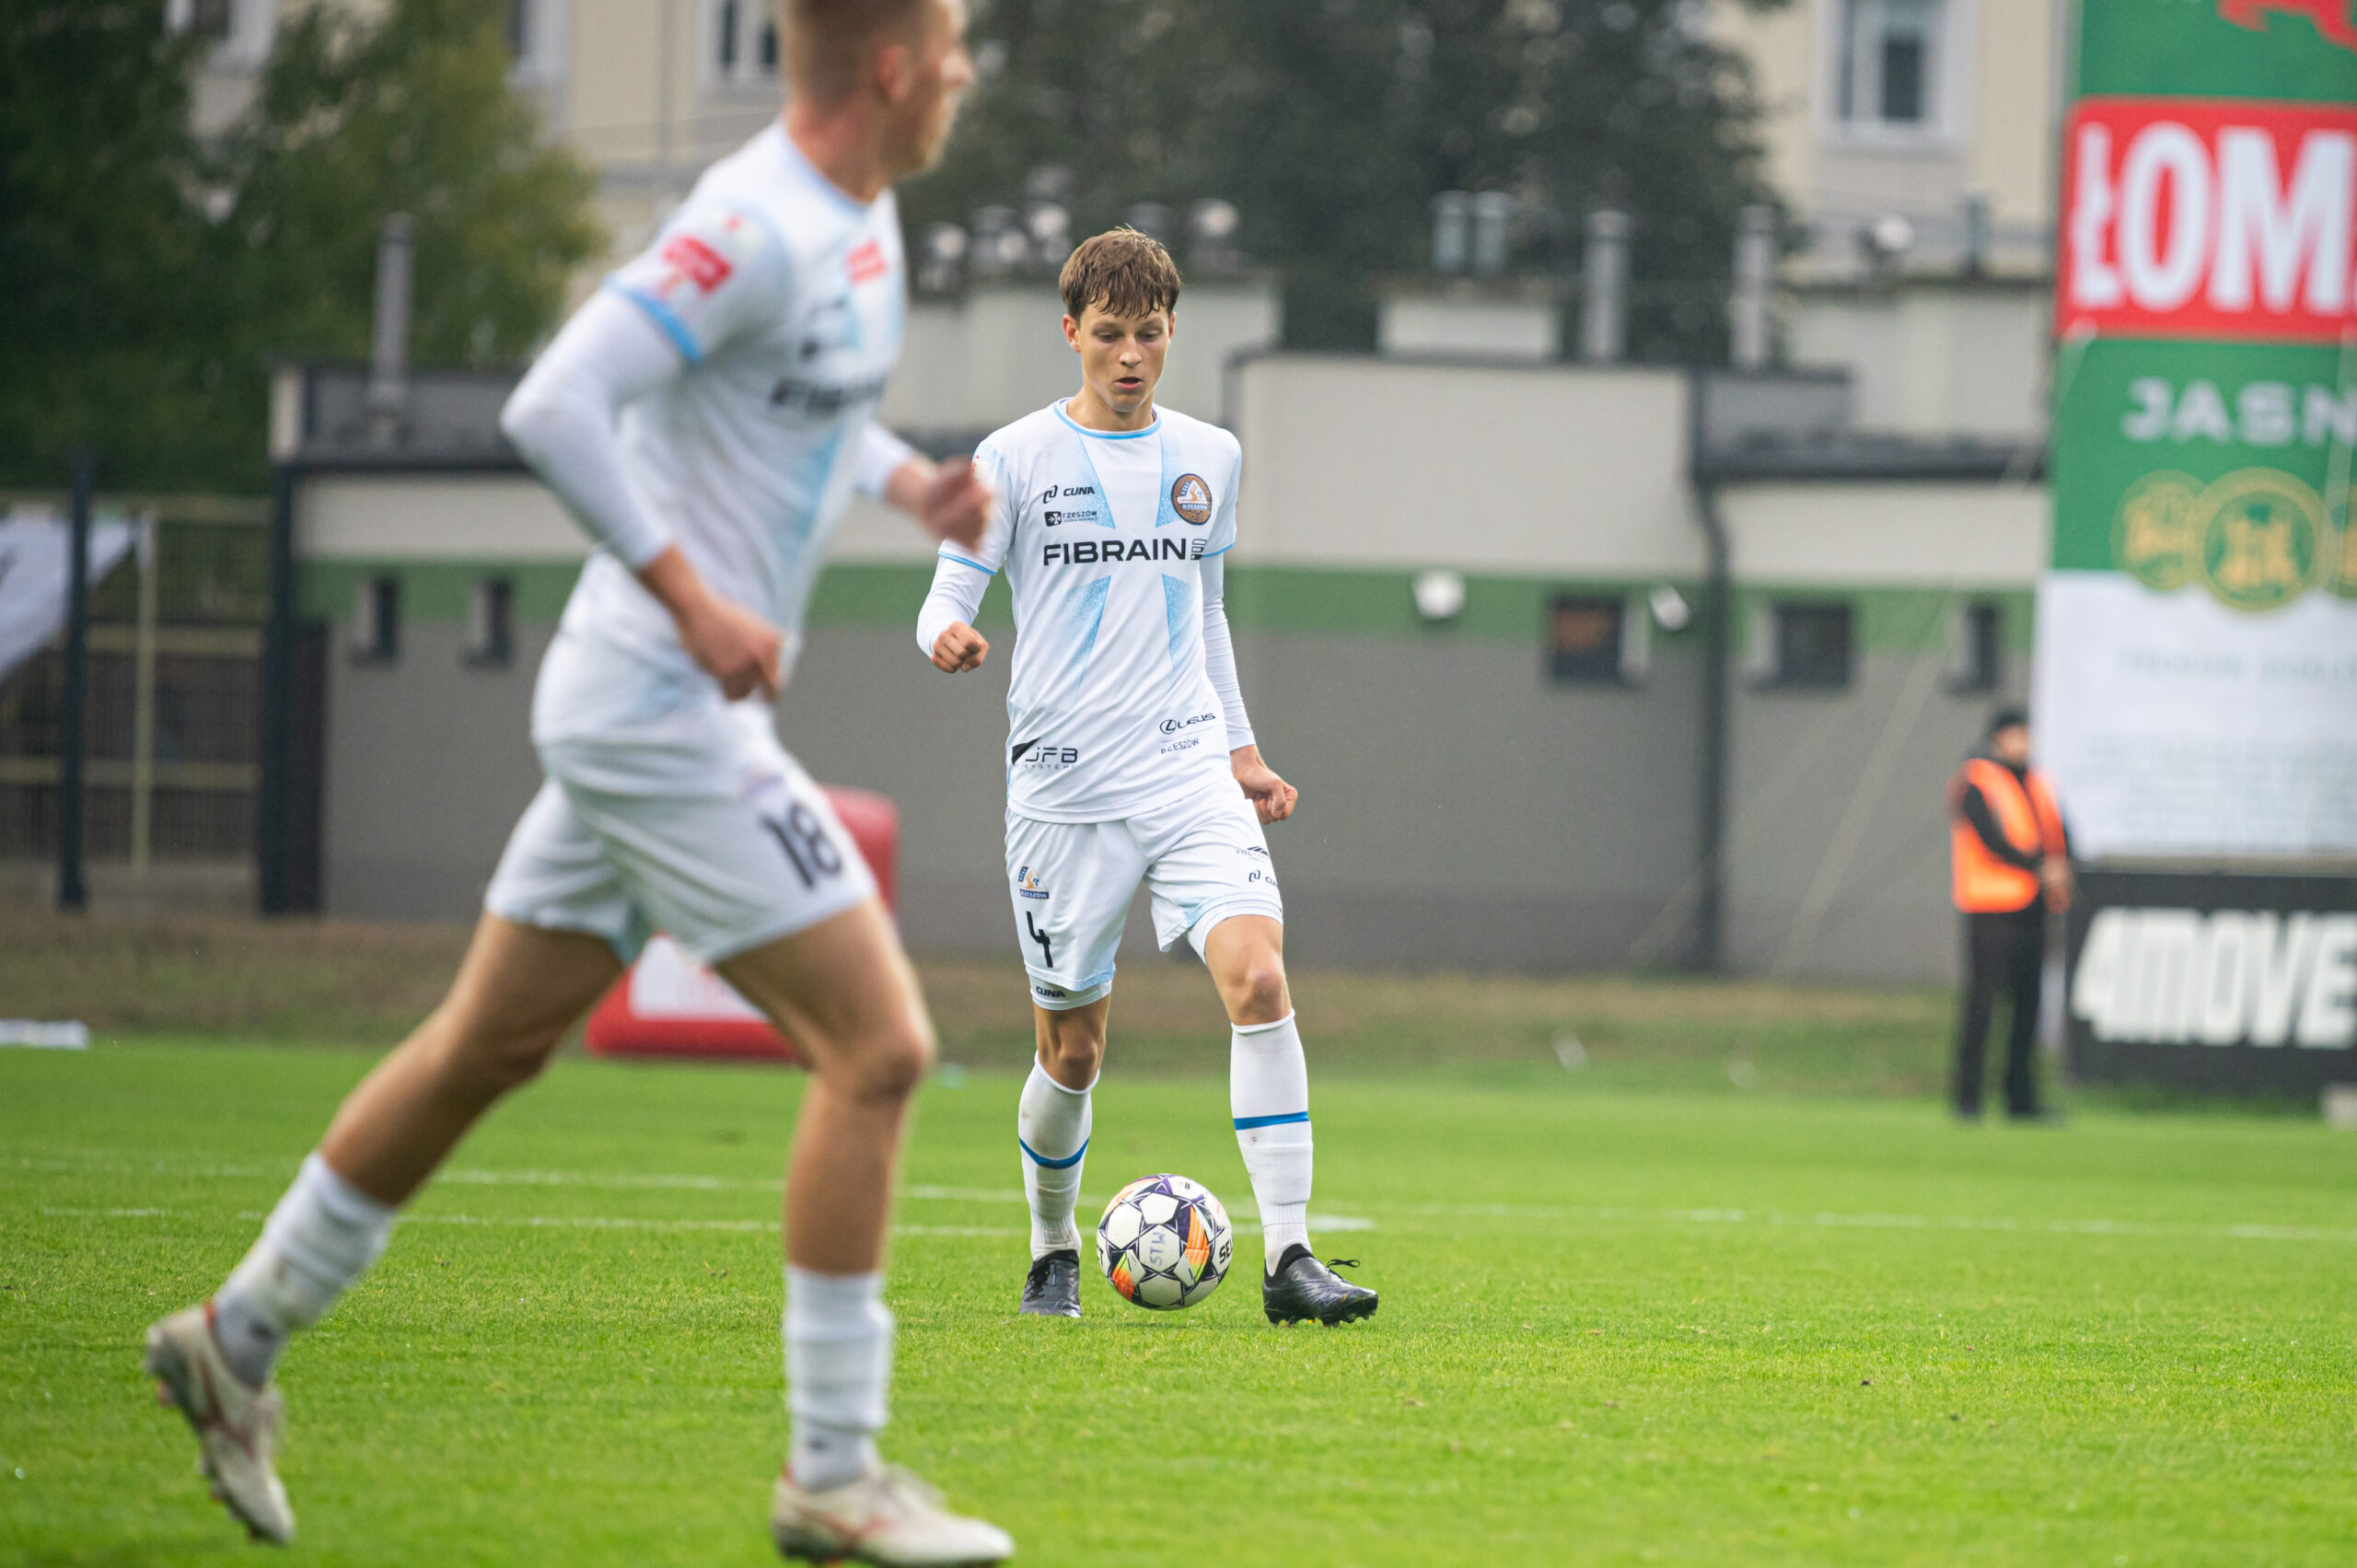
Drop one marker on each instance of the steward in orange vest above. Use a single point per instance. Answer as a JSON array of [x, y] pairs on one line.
[[2011, 859]]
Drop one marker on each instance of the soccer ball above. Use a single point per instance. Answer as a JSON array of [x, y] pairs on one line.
[[1165, 1242]]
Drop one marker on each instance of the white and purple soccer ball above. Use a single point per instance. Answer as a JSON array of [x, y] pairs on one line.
[[1165, 1242]]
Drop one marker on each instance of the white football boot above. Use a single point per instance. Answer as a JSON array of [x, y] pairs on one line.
[[237, 1425], [886, 1518]]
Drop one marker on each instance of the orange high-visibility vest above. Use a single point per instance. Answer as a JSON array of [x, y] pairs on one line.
[[2031, 822]]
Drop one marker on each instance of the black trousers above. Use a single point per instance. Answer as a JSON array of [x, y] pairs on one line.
[[2004, 955]]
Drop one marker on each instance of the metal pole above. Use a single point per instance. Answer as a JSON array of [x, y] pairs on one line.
[[270, 800], [143, 706], [1755, 283], [1604, 288], [1705, 953], [389, 349], [71, 893]]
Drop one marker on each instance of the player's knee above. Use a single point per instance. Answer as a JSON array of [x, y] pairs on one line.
[[891, 1063], [1259, 992], [1073, 1056]]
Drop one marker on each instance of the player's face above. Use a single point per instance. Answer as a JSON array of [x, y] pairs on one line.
[[1121, 356], [933, 79]]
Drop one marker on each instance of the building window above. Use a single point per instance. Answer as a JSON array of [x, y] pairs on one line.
[[491, 637], [1886, 71], [744, 40], [1587, 640], [208, 18], [377, 620], [520, 29], [1808, 646], [1976, 658]]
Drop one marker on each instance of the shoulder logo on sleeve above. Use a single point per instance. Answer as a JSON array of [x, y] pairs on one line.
[[1191, 498], [866, 263], [696, 262]]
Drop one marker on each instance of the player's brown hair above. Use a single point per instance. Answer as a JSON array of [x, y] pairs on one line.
[[1121, 271], [828, 41]]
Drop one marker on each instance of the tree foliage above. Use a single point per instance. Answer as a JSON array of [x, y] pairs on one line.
[[108, 318], [356, 120], [1332, 123], [150, 281]]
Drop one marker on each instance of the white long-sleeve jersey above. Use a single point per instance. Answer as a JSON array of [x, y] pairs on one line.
[[1124, 692], [718, 393]]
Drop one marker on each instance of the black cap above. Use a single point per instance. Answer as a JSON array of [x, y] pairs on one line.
[[2007, 718]]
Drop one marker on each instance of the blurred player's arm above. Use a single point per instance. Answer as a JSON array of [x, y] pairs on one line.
[[562, 420], [1272, 799], [951, 500]]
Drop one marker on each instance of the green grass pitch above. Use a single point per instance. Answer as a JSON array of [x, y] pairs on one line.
[[1618, 1326]]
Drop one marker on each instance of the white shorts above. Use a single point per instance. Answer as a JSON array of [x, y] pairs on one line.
[[1204, 855], [691, 819]]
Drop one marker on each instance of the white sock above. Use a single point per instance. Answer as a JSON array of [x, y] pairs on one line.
[[1051, 1127], [1268, 1088], [323, 1235], [838, 1365]]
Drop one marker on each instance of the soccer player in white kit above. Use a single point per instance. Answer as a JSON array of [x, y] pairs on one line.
[[1129, 757], [705, 416]]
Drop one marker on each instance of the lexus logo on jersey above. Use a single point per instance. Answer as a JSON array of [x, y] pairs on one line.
[[1191, 498]]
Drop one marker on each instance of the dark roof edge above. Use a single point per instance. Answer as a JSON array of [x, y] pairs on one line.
[[1987, 463]]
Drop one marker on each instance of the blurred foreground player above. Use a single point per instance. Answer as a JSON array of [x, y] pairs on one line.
[[1130, 758], [2012, 860], [705, 416]]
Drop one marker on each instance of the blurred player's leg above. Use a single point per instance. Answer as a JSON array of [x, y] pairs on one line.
[[843, 989], [1269, 1095], [518, 991], [1052, 1128]]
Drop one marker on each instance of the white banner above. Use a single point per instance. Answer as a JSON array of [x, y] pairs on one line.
[[2175, 727], [34, 549]]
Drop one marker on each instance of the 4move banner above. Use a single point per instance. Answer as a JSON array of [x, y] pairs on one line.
[[2196, 678]]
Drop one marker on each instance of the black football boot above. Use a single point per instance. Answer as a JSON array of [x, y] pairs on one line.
[[1052, 1287], [1305, 1290]]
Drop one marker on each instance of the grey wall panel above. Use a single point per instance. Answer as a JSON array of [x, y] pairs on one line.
[[429, 763], [1456, 810], [1804, 764]]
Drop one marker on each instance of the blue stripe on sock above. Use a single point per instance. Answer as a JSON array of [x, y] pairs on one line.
[[1245, 1123], [1046, 1164]]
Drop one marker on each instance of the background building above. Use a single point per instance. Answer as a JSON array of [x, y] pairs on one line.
[[1488, 574]]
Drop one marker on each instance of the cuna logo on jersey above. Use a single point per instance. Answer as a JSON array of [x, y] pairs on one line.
[[2223, 977]]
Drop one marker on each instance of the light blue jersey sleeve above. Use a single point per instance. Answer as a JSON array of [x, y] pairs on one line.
[[1219, 647], [1223, 534], [717, 269], [961, 575]]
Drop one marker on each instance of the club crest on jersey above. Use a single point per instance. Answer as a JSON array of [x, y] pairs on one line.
[[1191, 498], [1027, 884]]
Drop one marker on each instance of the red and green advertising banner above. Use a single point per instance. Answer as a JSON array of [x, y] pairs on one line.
[[2196, 684]]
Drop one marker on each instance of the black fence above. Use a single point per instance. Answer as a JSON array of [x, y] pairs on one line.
[[171, 718]]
